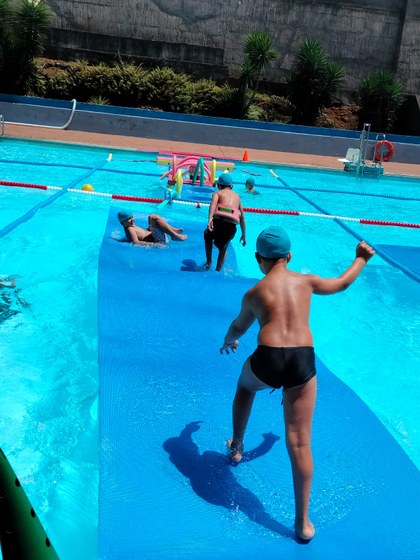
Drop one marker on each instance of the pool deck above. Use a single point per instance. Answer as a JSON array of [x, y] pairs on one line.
[[219, 152]]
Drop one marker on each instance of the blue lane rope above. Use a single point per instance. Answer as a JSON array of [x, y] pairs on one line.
[[349, 230], [30, 213], [44, 163], [122, 171]]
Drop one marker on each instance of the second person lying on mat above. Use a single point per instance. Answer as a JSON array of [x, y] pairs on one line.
[[155, 232]]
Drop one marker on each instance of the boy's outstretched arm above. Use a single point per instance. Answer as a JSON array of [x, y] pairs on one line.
[[238, 327], [325, 286]]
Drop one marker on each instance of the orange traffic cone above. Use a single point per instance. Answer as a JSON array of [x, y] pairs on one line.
[[245, 156]]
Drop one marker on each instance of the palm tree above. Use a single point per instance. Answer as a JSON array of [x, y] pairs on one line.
[[379, 96], [23, 37], [259, 57], [313, 82], [32, 20]]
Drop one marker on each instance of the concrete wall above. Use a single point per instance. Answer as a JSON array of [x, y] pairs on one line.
[[364, 36], [196, 129]]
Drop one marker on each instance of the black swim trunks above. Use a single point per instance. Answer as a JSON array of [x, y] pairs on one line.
[[223, 232], [149, 239], [283, 367]]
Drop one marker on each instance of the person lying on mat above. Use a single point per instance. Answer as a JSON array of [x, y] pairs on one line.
[[155, 232], [285, 357]]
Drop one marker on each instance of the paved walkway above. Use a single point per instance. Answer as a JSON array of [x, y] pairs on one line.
[[220, 152]]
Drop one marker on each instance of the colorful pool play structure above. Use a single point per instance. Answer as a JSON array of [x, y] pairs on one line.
[[193, 170]]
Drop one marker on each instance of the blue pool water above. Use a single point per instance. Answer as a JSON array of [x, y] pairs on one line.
[[48, 399]]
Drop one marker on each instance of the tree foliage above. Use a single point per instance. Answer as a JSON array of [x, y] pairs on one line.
[[23, 31], [379, 96], [259, 55], [313, 82]]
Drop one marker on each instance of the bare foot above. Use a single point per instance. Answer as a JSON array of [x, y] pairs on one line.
[[236, 450], [206, 266], [304, 530], [179, 229], [178, 237]]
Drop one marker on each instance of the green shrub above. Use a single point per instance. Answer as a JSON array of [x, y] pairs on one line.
[[122, 84], [35, 84], [324, 121], [254, 113], [274, 108], [88, 81], [99, 100], [59, 86], [168, 90], [132, 84], [230, 103], [203, 97]]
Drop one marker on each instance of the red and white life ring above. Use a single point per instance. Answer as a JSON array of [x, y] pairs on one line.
[[381, 156]]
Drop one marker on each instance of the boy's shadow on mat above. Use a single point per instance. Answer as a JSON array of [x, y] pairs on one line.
[[212, 477]]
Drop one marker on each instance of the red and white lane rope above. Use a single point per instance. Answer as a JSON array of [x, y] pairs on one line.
[[205, 204]]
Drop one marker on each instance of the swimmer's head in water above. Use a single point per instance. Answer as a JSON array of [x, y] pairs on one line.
[[250, 183], [273, 243], [225, 180], [123, 216]]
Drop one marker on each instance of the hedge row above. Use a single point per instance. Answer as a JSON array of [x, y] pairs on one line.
[[130, 85]]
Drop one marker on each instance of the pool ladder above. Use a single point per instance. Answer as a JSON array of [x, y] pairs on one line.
[[362, 166]]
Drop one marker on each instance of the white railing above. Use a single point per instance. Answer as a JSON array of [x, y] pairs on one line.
[[73, 109]]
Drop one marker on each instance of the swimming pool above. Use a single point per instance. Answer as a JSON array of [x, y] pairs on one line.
[[367, 336]]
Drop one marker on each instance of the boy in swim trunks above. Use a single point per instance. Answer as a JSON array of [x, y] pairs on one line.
[[225, 214], [285, 357], [155, 233]]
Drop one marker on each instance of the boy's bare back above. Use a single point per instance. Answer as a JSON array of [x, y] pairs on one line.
[[227, 196], [280, 302]]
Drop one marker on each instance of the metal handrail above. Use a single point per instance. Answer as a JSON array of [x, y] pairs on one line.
[[363, 147], [73, 109], [379, 138], [2, 124]]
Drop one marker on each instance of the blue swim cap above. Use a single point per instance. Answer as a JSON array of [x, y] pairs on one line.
[[273, 243], [225, 180], [250, 181], [122, 216]]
